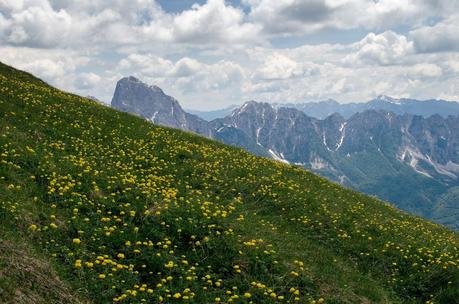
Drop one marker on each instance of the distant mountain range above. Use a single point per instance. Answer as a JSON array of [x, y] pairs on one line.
[[211, 115], [409, 160], [323, 109]]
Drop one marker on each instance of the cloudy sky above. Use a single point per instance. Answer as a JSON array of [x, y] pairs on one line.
[[210, 54]]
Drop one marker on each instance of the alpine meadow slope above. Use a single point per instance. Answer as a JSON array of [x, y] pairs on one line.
[[409, 160], [125, 211]]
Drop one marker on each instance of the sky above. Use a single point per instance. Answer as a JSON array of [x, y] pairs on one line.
[[210, 54]]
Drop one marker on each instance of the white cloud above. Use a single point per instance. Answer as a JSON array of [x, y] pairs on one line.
[[145, 64], [278, 66], [186, 67], [186, 78], [441, 37], [453, 64], [303, 16], [213, 21], [86, 81], [215, 54], [35, 25], [384, 49], [425, 70], [48, 64], [39, 23], [290, 16]]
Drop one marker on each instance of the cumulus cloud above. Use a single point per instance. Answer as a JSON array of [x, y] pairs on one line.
[[215, 54], [186, 78], [59, 67], [48, 64], [384, 49], [300, 16], [278, 66], [145, 64], [425, 70], [290, 16], [441, 37], [43, 23], [35, 25], [214, 20], [85, 81]]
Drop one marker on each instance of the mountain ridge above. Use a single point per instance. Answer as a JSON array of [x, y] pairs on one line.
[[406, 147], [400, 106], [127, 211], [323, 109]]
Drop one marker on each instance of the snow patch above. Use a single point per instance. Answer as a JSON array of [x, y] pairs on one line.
[[325, 141], [278, 157], [451, 169], [414, 157], [318, 163], [258, 137], [241, 109], [342, 130], [154, 117], [389, 99], [441, 169]]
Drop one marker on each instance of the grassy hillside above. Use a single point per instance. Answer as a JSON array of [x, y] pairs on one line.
[[99, 206]]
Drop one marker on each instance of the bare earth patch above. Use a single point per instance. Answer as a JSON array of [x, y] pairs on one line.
[[26, 279]]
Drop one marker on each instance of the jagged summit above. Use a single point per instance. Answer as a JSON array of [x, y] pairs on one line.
[[399, 106], [388, 99], [252, 105], [150, 101], [131, 78], [95, 200], [136, 81], [345, 147]]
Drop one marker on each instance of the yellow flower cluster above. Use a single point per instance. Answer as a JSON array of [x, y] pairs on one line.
[[150, 214]]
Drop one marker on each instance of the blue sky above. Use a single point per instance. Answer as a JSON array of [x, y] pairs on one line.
[[213, 53]]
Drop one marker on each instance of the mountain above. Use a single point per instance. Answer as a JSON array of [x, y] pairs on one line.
[[100, 206], [211, 115], [401, 106], [408, 160], [150, 102], [325, 108]]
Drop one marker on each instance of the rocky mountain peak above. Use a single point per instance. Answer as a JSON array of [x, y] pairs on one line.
[[253, 106], [150, 101], [134, 81], [387, 99], [130, 78], [379, 147], [335, 117]]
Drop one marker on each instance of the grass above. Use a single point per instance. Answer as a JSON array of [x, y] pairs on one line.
[[26, 277], [114, 209]]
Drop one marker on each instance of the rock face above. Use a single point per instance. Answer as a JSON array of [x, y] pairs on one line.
[[409, 160], [406, 159], [430, 146], [150, 102]]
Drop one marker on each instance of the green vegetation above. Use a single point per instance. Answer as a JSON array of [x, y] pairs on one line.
[[112, 208], [447, 208]]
